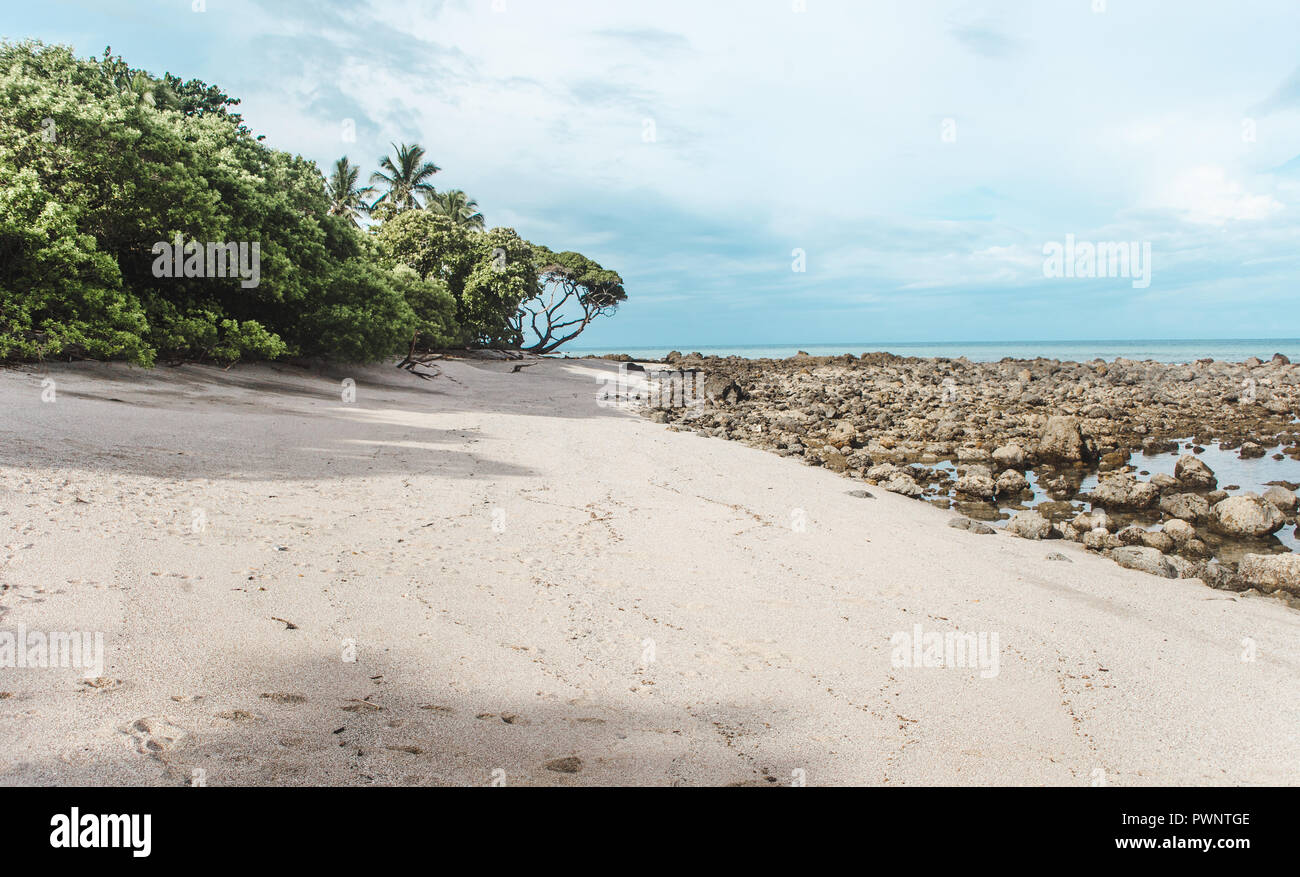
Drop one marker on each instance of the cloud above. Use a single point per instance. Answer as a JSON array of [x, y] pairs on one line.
[[1285, 97], [987, 41], [648, 39], [1206, 195]]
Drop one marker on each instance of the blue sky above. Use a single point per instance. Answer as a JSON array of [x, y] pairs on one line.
[[921, 153]]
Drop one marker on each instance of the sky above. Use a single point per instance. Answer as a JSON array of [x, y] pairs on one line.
[[813, 171]]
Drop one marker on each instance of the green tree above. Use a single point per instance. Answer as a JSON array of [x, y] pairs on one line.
[[573, 291], [346, 198], [458, 207], [407, 177]]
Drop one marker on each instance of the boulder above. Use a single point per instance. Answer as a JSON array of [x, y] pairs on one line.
[[1284, 499], [976, 527], [1029, 525], [1186, 506], [1191, 471], [904, 485], [719, 387], [1010, 457], [1180, 531], [1011, 482], [1125, 492], [1268, 572], [1157, 539], [1247, 516], [1062, 442], [977, 485], [1146, 560]]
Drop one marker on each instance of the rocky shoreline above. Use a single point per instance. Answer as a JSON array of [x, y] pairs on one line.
[[1056, 450]]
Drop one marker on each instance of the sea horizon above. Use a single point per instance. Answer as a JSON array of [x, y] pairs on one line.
[[1156, 349]]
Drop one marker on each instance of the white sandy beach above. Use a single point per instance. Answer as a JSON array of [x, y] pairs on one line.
[[529, 577]]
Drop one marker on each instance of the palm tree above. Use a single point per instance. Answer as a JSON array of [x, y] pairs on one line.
[[346, 199], [406, 177], [458, 207]]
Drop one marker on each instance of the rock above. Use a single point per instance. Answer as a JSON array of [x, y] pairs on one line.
[[1186, 506], [1011, 482], [1131, 535], [718, 387], [1099, 540], [1058, 556], [973, 455], [1180, 531], [1029, 525], [977, 485], [1192, 471], [976, 527], [1247, 515], [1216, 575], [1010, 457], [885, 472], [1157, 539], [1062, 442], [903, 485], [1125, 492], [1164, 482], [1269, 572], [833, 459], [1251, 451], [1184, 568], [1146, 560], [861, 494], [1281, 359], [1283, 499]]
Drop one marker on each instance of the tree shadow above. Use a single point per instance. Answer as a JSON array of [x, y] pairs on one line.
[[274, 421], [326, 722]]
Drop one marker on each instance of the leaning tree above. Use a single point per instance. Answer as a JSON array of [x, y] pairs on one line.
[[573, 291]]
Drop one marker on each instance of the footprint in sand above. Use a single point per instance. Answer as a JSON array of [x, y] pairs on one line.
[[155, 735], [570, 764]]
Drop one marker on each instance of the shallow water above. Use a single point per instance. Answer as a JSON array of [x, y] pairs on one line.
[[1248, 476]]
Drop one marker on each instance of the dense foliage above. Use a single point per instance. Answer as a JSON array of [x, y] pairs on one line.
[[100, 164]]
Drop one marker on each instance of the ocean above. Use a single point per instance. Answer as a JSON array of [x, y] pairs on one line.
[[1230, 350]]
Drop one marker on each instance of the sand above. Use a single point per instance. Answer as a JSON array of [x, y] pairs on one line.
[[489, 578]]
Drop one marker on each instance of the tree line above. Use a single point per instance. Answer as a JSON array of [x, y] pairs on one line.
[[99, 162]]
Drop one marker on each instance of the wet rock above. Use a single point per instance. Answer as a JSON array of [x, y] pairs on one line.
[[1029, 525], [1146, 560], [1010, 457], [903, 485], [1180, 531], [1192, 471], [720, 388], [1062, 442], [1247, 515], [1251, 451], [977, 485], [1283, 499], [1125, 492], [1186, 506], [1011, 482], [1100, 540], [976, 527], [1157, 539], [1271, 571]]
